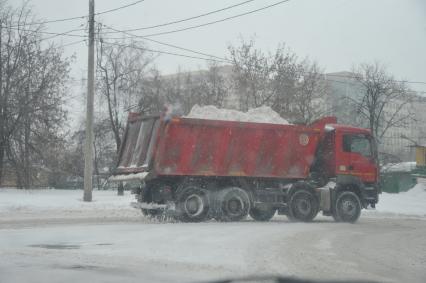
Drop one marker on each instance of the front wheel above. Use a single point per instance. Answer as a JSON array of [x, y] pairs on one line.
[[303, 206], [347, 208]]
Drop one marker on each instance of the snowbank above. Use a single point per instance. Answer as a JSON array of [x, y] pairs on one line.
[[263, 114], [21, 204], [410, 203], [399, 167]]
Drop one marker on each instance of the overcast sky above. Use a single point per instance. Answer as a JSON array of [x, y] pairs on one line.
[[335, 33]]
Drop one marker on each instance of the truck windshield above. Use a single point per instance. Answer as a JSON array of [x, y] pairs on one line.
[[358, 144]]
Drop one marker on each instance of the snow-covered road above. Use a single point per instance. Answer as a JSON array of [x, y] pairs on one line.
[[383, 250], [52, 236]]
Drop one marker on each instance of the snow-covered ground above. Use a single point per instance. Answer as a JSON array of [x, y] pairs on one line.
[[29, 200], [30, 204], [399, 167], [410, 203], [62, 204], [120, 245]]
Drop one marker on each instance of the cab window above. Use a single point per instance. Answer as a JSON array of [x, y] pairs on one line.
[[357, 144]]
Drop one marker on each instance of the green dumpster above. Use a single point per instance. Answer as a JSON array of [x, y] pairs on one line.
[[396, 182]]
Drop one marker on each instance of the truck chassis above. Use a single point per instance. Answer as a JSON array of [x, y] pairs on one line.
[[195, 199]]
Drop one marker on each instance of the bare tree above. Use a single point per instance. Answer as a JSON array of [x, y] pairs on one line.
[[185, 89], [385, 101], [104, 150], [214, 87], [308, 100], [32, 88], [293, 88], [121, 68], [252, 72], [150, 93]]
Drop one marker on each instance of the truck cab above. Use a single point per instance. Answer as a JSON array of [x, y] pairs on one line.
[[349, 155]]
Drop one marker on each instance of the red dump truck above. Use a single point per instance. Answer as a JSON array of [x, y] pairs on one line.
[[197, 169]]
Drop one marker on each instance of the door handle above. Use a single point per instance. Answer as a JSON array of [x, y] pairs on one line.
[[350, 167]]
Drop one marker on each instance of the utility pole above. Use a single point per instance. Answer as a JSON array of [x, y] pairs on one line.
[[88, 146]]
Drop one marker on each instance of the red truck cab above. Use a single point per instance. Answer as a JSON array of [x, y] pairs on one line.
[[350, 151]]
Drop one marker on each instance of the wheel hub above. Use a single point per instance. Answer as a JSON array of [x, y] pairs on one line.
[[303, 206], [194, 205], [235, 206], [348, 207]]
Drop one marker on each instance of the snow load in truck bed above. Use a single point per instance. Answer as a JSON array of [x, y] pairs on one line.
[[263, 114]]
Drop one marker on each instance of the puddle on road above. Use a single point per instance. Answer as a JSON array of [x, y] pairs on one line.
[[64, 246], [56, 246], [78, 266]]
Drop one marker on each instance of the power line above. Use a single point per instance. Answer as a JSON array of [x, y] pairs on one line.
[[72, 43], [59, 34], [218, 21], [48, 21], [77, 17], [119, 8], [48, 32], [166, 44], [190, 18], [163, 52]]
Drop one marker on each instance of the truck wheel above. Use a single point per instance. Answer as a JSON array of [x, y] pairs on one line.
[[303, 206], [262, 214], [347, 208], [232, 204], [192, 204]]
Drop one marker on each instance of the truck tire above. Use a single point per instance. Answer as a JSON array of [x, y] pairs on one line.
[[303, 206], [262, 214], [231, 204], [347, 207], [193, 204]]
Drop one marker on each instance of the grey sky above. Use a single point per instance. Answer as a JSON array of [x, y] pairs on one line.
[[335, 33]]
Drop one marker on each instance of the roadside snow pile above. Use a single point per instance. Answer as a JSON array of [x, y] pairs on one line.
[[412, 202], [263, 114], [63, 204], [399, 167]]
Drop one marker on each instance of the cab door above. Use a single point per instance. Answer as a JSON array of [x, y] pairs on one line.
[[357, 156]]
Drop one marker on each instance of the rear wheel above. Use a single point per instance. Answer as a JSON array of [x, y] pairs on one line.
[[347, 208], [192, 204], [232, 204], [303, 206], [262, 213]]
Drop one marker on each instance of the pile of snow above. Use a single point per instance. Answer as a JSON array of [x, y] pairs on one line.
[[410, 203], [46, 203], [399, 167], [263, 114]]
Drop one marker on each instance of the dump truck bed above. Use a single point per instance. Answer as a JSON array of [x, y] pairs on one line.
[[198, 147]]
